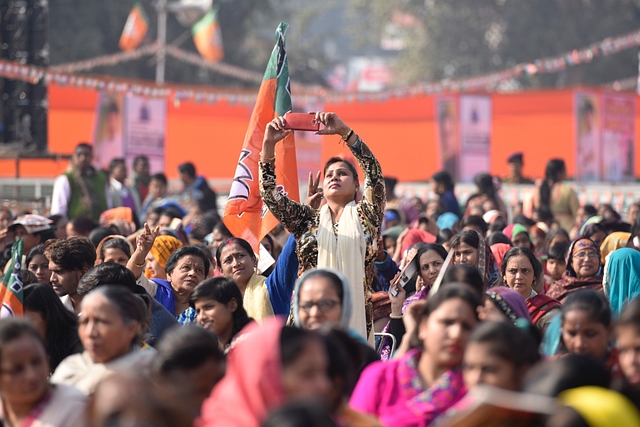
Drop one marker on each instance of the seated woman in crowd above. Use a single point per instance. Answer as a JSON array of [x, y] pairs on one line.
[[186, 268], [628, 338], [272, 365], [557, 235], [262, 296], [38, 264], [28, 398], [584, 270], [343, 234], [188, 365], [322, 298], [428, 262], [587, 328], [471, 249], [219, 309], [420, 386], [113, 249], [503, 304], [594, 231], [521, 270], [110, 273], [58, 327], [153, 251], [519, 235], [110, 331], [499, 354], [556, 263], [622, 278]]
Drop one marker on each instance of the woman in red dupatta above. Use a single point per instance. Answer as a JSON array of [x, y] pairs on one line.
[[584, 270]]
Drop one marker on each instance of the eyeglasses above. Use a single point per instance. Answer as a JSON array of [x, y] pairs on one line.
[[583, 255], [324, 305]]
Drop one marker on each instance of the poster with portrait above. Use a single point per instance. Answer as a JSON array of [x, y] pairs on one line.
[[107, 135], [145, 130], [447, 134], [588, 136], [618, 136], [475, 136]]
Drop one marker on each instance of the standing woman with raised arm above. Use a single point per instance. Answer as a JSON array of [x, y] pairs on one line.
[[342, 234]]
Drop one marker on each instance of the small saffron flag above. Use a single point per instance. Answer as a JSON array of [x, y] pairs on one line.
[[207, 36], [134, 29], [245, 215], [11, 288]]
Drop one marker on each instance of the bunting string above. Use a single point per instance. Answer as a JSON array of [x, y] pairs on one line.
[[105, 60], [64, 75]]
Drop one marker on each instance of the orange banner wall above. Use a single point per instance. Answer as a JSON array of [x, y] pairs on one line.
[[401, 132]]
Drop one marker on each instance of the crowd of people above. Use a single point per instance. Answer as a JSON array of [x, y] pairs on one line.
[[372, 309]]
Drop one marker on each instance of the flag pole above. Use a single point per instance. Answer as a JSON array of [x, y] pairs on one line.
[[162, 40]]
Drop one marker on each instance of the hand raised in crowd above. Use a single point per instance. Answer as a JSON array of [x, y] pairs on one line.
[[144, 241], [275, 132], [333, 125], [314, 191]]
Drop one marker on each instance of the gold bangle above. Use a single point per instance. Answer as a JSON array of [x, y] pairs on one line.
[[393, 316], [266, 159], [138, 265]]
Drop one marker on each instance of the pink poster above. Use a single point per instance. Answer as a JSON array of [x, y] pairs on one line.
[[108, 129], [618, 130], [447, 134], [475, 136], [588, 136]]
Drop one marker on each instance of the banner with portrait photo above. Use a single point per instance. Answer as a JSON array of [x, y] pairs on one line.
[[475, 136], [588, 136], [108, 124], [618, 136], [447, 134], [145, 130]]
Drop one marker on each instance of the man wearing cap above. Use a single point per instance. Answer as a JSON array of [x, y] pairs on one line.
[[69, 259], [81, 190], [515, 165], [33, 229]]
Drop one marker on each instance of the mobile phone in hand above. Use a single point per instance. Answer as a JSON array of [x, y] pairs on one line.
[[407, 273], [301, 121]]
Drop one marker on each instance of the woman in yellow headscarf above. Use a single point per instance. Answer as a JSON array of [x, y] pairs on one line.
[[613, 242]]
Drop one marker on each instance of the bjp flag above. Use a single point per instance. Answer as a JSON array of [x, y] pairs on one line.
[[246, 216], [135, 28], [208, 38], [11, 287]]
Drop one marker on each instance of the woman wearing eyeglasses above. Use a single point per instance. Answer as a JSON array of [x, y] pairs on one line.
[[322, 296], [584, 270]]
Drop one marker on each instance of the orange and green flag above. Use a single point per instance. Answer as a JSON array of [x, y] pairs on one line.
[[208, 38], [11, 288], [245, 215], [134, 29]]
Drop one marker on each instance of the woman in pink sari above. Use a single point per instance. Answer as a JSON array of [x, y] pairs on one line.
[[416, 388], [264, 372]]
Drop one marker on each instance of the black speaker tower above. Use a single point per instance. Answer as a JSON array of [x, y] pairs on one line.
[[23, 106]]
